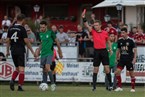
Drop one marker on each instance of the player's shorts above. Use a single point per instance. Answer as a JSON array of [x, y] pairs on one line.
[[52, 67], [128, 64], [19, 60], [100, 55], [46, 60]]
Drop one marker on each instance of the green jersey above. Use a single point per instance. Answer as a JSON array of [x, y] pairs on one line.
[[112, 57], [47, 39]]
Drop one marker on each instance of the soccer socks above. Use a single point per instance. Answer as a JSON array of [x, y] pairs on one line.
[[44, 77], [51, 77], [94, 80], [14, 75], [119, 84], [109, 79], [21, 78], [133, 83], [54, 77]]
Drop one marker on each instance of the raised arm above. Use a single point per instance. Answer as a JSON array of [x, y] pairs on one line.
[[85, 21]]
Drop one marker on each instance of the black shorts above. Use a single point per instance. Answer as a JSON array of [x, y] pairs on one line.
[[100, 55], [52, 67], [128, 64], [19, 60]]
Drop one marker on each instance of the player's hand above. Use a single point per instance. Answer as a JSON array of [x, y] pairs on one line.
[[36, 58], [83, 13], [111, 52]]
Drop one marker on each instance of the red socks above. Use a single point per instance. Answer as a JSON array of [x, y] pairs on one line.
[[119, 81], [15, 74], [133, 82], [21, 78]]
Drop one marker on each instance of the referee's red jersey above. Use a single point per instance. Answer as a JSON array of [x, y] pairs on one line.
[[100, 39]]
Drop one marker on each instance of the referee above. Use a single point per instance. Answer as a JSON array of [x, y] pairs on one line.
[[100, 38]]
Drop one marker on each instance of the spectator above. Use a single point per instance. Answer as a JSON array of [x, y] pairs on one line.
[[62, 36], [6, 22], [133, 32], [80, 38], [89, 51], [4, 35], [139, 37], [93, 18], [54, 29], [31, 36], [111, 30]]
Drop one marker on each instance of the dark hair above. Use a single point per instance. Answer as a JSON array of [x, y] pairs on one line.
[[43, 23], [20, 17], [124, 29]]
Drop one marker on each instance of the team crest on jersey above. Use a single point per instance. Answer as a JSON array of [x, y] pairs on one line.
[[120, 43], [127, 44], [47, 36]]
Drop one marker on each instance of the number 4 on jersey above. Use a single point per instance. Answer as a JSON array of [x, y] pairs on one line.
[[14, 36]]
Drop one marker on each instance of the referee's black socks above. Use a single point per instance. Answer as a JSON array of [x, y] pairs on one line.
[[94, 80], [109, 79]]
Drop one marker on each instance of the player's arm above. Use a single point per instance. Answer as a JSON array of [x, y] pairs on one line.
[[135, 54], [85, 21], [7, 47], [59, 49], [28, 44], [109, 46], [118, 54]]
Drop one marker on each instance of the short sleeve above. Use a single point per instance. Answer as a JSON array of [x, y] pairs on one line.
[[53, 35]]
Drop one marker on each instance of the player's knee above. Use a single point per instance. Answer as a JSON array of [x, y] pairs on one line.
[[96, 69]]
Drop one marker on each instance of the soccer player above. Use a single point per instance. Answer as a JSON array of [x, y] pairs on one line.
[[100, 38], [126, 54], [16, 40], [112, 60], [47, 37]]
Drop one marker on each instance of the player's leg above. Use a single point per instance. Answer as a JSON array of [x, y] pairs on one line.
[[21, 78], [132, 81], [52, 67], [44, 72], [130, 68], [114, 77], [105, 62], [96, 64], [15, 73], [108, 76], [21, 62], [47, 66], [120, 66]]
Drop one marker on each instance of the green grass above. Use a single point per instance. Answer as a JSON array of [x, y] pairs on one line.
[[69, 91]]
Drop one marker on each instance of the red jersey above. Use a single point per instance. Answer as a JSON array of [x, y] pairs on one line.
[[138, 37], [99, 39], [111, 30]]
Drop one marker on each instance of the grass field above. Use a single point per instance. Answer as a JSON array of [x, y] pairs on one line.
[[70, 91]]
